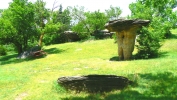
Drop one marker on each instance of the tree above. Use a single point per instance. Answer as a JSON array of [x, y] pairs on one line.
[[17, 24], [113, 13], [85, 23], [152, 9], [59, 16], [62, 16], [79, 23], [96, 20], [162, 17], [43, 20]]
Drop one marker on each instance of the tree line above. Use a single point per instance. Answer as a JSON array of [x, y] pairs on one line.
[[25, 24]]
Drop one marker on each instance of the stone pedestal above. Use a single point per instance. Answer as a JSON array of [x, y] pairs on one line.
[[126, 34]]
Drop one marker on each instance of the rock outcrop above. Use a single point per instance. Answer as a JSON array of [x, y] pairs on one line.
[[94, 83], [71, 36], [126, 34], [29, 53]]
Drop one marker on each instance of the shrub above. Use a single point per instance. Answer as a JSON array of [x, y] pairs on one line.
[[2, 51], [148, 44]]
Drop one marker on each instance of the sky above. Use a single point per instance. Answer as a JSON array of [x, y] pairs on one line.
[[90, 5]]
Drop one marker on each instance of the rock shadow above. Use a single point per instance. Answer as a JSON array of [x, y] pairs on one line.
[[135, 57], [115, 58]]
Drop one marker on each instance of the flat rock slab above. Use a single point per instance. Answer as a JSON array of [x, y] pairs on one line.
[[94, 83], [124, 24]]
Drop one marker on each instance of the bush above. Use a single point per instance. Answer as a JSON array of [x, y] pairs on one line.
[[2, 51], [148, 44]]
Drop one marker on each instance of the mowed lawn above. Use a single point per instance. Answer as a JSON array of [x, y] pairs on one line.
[[36, 79]]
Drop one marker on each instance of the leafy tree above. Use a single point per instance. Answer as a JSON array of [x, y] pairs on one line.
[[113, 13], [79, 21], [161, 9], [162, 17], [85, 23], [95, 20], [17, 24], [63, 17], [43, 20]]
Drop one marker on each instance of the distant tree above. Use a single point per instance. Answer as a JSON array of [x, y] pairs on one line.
[[17, 24], [113, 13], [96, 20], [62, 16], [79, 21], [59, 16], [43, 20], [85, 23]]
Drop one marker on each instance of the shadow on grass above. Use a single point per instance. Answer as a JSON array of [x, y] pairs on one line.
[[161, 86], [134, 57], [173, 36], [115, 58], [53, 51], [9, 59], [12, 59]]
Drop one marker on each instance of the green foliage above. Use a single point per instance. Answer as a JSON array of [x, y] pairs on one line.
[[80, 25], [42, 14], [63, 18], [51, 31], [17, 24], [148, 44], [7, 31], [95, 20], [113, 13], [87, 22], [80, 29], [45, 21], [156, 9], [2, 51], [162, 20]]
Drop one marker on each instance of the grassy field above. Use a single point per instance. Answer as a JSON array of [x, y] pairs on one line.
[[36, 79]]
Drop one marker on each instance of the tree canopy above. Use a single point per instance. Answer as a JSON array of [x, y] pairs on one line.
[[17, 24]]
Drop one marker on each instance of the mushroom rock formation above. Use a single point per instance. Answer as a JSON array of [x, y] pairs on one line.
[[126, 34]]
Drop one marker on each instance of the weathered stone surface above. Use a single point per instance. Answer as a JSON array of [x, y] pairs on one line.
[[126, 34], [123, 24], [71, 36], [29, 52], [94, 83]]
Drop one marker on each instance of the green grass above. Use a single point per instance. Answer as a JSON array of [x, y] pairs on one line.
[[36, 79]]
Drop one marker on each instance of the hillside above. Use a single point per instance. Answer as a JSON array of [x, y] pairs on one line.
[[35, 79]]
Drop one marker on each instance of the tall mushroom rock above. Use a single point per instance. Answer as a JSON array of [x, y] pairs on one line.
[[126, 34]]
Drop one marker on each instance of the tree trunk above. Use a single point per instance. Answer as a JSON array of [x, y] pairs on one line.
[[19, 48], [40, 40]]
